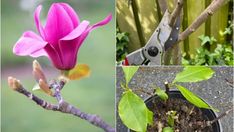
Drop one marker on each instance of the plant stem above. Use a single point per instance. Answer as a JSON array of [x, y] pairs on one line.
[[209, 123], [143, 91], [176, 12], [167, 87], [213, 7], [65, 107]]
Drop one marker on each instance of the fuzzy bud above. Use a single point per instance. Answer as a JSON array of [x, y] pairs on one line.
[[14, 83], [38, 72], [44, 86]]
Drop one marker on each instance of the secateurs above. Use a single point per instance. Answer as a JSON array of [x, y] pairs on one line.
[[163, 38]]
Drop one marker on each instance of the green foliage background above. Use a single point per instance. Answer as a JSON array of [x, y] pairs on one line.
[[94, 95]]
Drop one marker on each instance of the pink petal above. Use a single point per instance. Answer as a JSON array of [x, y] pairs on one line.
[[37, 21], [54, 56], [103, 22], [77, 31], [29, 44], [74, 17], [58, 24], [39, 53], [69, 50], [69, 45], [31, 34]]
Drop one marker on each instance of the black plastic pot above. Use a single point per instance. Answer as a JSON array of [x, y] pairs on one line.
[[210, 114]]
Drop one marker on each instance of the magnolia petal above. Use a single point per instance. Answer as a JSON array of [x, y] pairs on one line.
[[69, 45], [29, 44], [69, 50], [31, 34], [101, 23], [37, 21], [77, 31], [54, 56], [39, 53], [73, 16], [58, 24]]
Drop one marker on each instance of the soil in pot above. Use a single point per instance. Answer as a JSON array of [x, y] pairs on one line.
[[190, 118]]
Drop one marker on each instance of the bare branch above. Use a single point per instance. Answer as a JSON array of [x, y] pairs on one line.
[[163, 5], [167, 87], [63, 106], [213, 7], [176, 12], [209, 123]]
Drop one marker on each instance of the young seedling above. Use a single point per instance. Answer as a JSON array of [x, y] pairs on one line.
[[136, 116]]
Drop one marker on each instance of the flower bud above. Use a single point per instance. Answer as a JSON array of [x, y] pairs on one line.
[[14, 83], [37, 72], [44, 86]]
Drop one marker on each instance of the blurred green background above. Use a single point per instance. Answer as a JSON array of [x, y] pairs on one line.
[[95, 94]]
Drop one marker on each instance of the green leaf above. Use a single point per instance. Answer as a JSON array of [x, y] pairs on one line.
[[161, 93], [133, 112], [194, 74], [194, 99], [168, 129], [149, 117], [204, 39], [120, 36], [212, 40], [129, 71]]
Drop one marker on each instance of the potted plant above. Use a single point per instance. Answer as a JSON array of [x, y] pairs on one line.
[[169, 110]]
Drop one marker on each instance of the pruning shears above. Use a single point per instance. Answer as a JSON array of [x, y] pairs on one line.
[[161, 40]]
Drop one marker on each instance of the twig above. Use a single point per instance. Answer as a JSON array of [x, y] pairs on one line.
[[143, 91], [44, 104], [62, 106], [204, 124], [163, 5], [209, 123], [176, 58], [176, 12], [210, 10], [167, 87]]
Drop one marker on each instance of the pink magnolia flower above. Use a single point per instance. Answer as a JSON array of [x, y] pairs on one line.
[[61, 37]]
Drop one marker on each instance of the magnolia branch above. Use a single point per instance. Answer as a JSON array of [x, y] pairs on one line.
[[176, 12], [210, 10], [62, 106], [163, 5]]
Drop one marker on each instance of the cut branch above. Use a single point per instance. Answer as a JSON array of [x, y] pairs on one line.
[[163, 5], [167, 87], [213, 7], [62, 106], [176, 12]]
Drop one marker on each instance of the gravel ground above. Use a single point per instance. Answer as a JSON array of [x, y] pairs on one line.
[[217, 91]]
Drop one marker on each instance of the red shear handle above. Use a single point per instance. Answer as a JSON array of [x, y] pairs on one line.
[[125, 62]]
